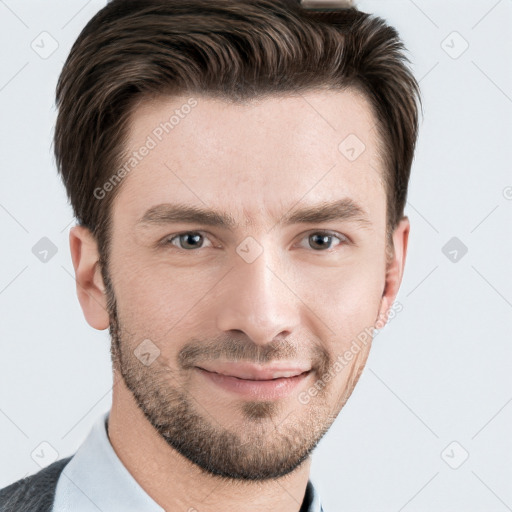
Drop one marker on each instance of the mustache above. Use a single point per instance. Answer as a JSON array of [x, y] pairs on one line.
[[233, 349]]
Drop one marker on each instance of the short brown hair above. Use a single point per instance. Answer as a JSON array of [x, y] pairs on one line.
[[235, 49]]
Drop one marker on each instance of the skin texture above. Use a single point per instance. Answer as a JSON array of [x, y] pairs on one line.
[[189, 443]]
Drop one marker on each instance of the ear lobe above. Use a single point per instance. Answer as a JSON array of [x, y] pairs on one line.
[[395, 269], [90, 288]]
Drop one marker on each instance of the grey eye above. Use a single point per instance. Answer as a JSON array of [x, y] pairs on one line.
[[322, 241], [188, 241]]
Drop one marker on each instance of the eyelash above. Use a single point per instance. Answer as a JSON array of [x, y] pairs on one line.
[[344, 240]]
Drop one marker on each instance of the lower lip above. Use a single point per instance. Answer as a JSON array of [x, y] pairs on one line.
[[261, 389]]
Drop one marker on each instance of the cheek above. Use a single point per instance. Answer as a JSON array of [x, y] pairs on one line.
[[345, 301], [154, 300]]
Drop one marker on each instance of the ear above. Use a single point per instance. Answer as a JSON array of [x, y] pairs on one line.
[[394, 269], [89, 282]]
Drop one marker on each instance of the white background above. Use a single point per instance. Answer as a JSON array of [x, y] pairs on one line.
[[439, 372]]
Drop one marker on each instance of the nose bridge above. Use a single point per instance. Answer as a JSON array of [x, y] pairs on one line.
[[256, 299]]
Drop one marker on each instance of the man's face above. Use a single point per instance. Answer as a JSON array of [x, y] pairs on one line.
[[264, 291]]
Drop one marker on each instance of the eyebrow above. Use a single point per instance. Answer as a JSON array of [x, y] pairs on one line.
[[344, 209]]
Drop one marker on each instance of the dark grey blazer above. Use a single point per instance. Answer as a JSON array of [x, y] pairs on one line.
[[34, 493]]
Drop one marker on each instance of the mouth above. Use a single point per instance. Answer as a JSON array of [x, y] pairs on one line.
[[277, 377], [249, 371], [272, 387]]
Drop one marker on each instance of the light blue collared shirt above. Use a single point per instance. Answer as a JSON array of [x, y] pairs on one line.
[[95, 480]]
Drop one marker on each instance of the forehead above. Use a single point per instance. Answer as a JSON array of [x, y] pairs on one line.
[[252, 159]]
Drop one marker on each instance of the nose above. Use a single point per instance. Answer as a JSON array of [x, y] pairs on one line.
[[258, 300]]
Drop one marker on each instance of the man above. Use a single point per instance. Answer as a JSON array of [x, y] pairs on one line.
[[239, 171]]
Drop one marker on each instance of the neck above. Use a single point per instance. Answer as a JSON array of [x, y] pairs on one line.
[[175, 483]]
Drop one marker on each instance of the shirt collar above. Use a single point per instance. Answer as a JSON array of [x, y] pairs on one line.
[[95, 480]]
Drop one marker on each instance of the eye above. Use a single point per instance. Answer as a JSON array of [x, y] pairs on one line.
[[188, 240], [322, 240]]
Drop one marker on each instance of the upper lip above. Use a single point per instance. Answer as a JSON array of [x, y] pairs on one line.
[[250, 371]]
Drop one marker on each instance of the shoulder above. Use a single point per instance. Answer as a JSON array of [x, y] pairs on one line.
[[34, 493]]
